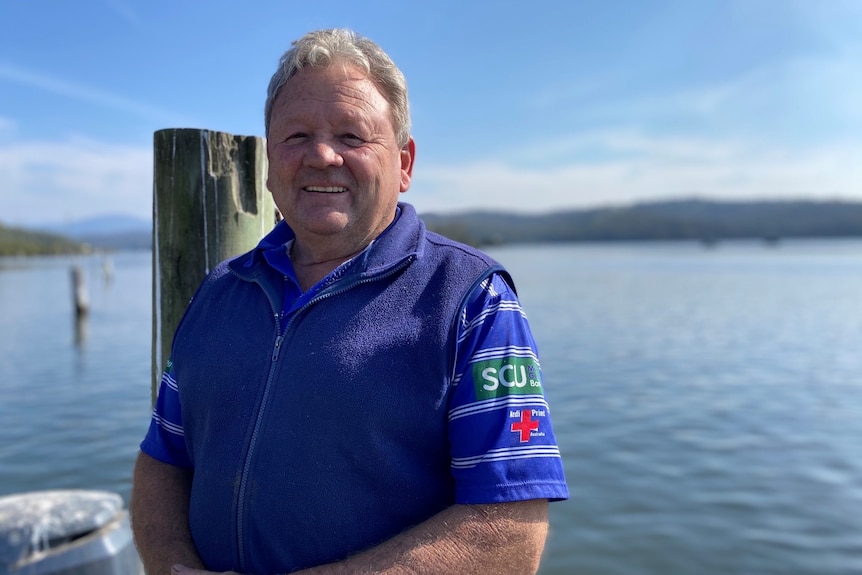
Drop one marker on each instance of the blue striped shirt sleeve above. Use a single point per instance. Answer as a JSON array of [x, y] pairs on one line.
[[502, 442], [165, 439]]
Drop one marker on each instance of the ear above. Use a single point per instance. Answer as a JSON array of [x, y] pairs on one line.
[[408, 155]]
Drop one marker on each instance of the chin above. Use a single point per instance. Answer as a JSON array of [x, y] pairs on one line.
[[324, 225]]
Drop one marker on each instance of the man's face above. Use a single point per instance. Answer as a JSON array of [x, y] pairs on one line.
[[335, 166]]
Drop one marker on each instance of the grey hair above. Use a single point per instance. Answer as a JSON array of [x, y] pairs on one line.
[[324, 47]]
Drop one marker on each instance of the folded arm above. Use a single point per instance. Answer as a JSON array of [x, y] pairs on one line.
[[159, 512], [504, 539]]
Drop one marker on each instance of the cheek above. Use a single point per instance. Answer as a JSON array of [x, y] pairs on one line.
[[278, 179], [371, 167], [272, 178], [280, 165]]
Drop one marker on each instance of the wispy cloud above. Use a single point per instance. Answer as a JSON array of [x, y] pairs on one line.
[[59, 181], [640, 168], [7, 125], [126, 13], [68, 89], [799, 95]]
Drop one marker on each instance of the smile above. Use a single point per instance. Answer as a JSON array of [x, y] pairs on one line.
[[325, 189]]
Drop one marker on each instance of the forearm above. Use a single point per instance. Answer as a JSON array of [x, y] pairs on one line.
[[159, 511], [505, 538]]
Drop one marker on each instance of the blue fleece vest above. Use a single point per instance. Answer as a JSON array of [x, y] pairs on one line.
[[331, 437]]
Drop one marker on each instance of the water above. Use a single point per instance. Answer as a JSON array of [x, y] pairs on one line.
[[74, 400], [708, 402]]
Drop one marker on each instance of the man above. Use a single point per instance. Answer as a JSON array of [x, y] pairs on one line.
[[355, 395]]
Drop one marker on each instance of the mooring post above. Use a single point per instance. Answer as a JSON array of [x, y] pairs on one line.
[[209, 203], [80, 299]]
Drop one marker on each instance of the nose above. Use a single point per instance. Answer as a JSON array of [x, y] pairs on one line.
[[322, 154]]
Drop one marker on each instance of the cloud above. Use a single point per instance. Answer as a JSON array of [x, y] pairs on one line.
[[50, 182], [55, 182], [805, 86], [73, 90], [126, 13], [7, 126], [636, 167], [788, 128]]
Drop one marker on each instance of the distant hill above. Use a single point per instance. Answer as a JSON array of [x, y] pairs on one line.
[[681, 219], [702, 220], [108, 232], [102, 225], [18, 242]]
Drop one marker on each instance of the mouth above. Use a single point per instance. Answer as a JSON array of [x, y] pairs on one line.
[[325, 189]]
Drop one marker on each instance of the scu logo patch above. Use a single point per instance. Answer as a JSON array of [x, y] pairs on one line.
[[506, 376]]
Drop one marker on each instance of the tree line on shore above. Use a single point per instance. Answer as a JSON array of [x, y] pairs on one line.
[[22, 242], [702, 220]]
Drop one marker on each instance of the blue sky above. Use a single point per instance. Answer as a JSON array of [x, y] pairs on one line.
[[519, 106]]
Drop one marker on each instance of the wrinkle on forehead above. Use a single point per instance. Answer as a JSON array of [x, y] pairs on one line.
[[344, 84]]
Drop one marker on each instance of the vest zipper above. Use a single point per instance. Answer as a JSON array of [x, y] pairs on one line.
[[277, 348], [240, 500], [276, 352]]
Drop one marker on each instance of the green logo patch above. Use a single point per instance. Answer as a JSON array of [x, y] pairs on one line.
[[506, 376]]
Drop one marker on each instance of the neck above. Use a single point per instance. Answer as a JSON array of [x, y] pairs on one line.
[[299, 258], [311, 268]]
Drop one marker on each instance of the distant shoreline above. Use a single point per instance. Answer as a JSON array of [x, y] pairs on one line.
[[705, 221]]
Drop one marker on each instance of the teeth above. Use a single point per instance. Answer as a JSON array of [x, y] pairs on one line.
[[326, 189]]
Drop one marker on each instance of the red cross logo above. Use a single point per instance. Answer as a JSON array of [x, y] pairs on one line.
[[525, 426]]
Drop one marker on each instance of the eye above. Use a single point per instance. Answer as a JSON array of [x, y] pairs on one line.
[[295, 137], [352, 139]]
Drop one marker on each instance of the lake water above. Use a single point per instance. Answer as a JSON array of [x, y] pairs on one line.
[[708, 402]]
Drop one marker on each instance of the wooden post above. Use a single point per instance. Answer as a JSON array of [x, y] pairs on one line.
[[80, 303], [209, 203], [80, 299]]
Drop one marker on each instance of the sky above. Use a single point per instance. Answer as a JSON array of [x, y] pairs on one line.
[[529, 106]]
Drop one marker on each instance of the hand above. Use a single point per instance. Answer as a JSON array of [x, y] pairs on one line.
[[183, 570]]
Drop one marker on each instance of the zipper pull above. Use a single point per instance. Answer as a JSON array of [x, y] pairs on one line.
[[277, 348]]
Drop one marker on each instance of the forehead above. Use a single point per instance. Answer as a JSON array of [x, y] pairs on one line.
[[336, 89]]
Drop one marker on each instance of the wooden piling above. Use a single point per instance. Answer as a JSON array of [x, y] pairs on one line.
[[210, 202], [80, 298]]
